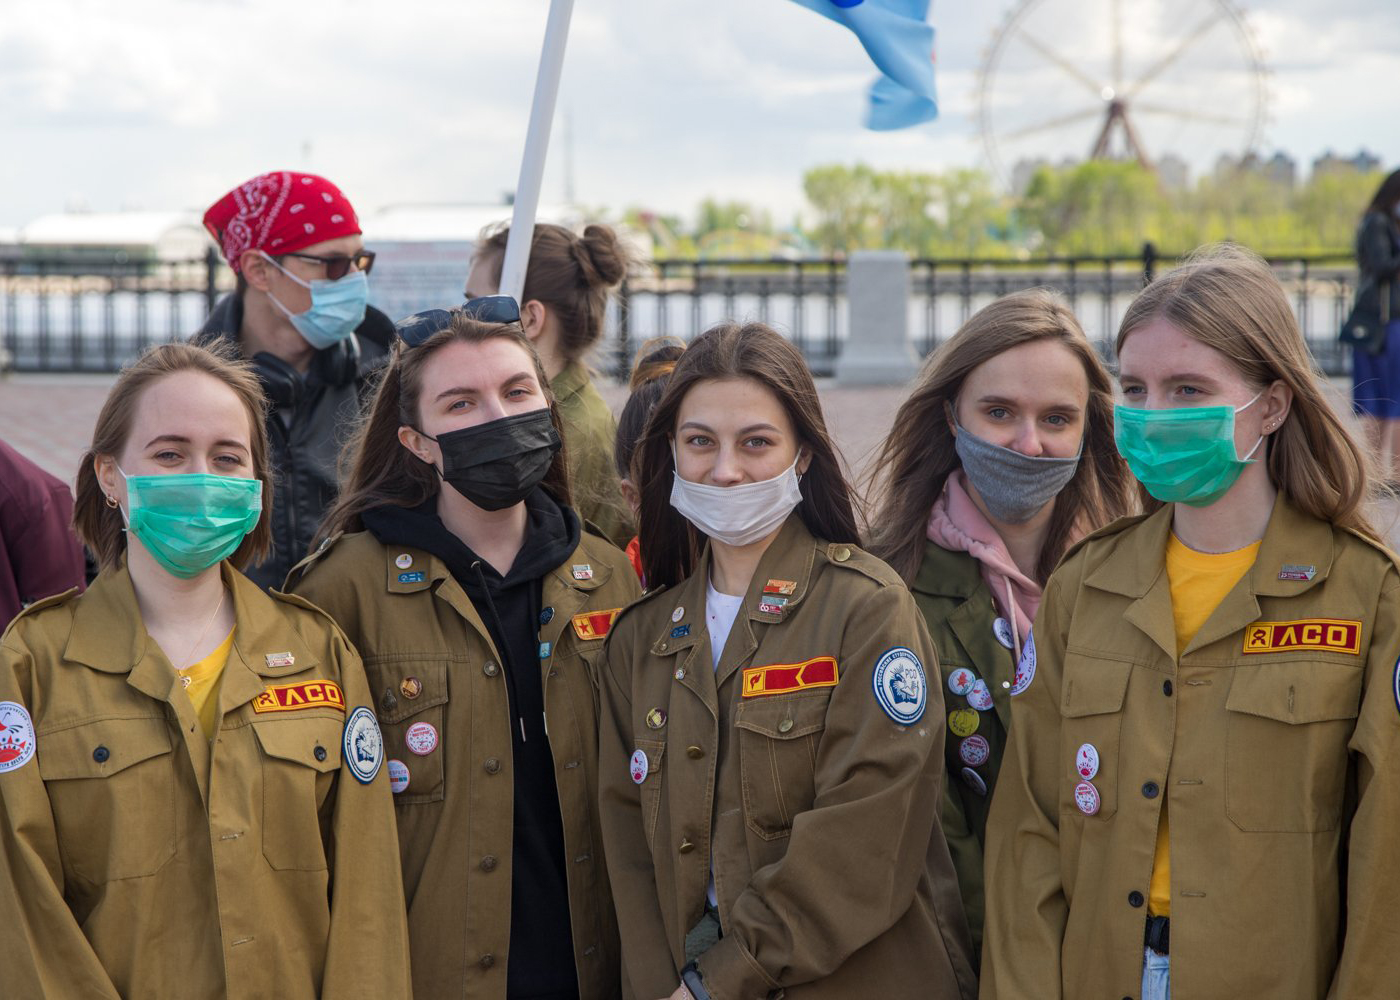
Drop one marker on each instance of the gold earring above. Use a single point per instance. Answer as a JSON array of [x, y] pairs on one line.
[[111, 501]]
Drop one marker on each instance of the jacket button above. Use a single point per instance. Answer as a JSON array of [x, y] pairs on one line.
[[488, 863], [1149, 790], [1134, 898], [694, 753], [841, 553], [492, 765], [663, 647], [319, 753], [490, 669], [785, 726], [487, 961], [101, 754], [1167, 688], [686, 846]]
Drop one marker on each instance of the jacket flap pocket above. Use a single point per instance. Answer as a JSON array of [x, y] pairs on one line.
[[783, 717], [1296, 693], [1093, 685], [101, 749], [404, 684], [655, 751], [310, 740]]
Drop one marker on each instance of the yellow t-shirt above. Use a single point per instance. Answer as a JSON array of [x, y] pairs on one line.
[[1199, 582], [202, 685]]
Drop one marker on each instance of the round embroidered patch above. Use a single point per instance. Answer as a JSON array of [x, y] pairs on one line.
[[900, 685], [1025, 667], [16, 736], [363, 745]]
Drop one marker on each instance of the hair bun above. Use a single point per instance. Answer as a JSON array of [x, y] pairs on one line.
[[601, 256]]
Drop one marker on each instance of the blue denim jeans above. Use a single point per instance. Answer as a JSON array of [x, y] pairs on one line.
[[1156, 978]]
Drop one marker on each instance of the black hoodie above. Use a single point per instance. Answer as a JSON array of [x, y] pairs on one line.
[[541, 965]]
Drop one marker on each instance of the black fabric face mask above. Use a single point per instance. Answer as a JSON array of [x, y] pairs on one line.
[[495, 465]]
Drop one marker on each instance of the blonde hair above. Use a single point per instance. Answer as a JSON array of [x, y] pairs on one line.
[[1227, 298], [99, 525], [918, 455]]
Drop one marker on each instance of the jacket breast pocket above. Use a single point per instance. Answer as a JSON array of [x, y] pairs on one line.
[[778, 740], [301, 756], [410, 692], [112, 788], [651, 789], [1287, 729], [1091, 711]]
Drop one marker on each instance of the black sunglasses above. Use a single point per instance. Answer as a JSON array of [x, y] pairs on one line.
[[415, 329], [338, 265]]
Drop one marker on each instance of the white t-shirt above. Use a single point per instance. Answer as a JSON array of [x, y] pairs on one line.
[[720, 612]]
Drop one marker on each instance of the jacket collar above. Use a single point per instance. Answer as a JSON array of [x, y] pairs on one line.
[[109, 635], [944, 573], [570, 381]]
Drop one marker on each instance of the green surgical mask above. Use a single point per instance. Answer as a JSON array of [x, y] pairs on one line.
[[189, 522], [1182, 455]]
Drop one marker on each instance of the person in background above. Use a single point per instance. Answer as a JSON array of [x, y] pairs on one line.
[[999, 460], [563, 309], [39, 554], [480, 605], [191, 796], [1202, 785], [770, 744], [1376, 365], [300, 315], [652, 371]]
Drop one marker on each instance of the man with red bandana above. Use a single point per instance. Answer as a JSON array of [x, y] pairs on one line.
[[300, 315]]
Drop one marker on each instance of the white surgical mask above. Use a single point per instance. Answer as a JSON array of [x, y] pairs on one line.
[[738, 515]]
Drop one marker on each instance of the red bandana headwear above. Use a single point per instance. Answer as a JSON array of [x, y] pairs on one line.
[[280, 212]]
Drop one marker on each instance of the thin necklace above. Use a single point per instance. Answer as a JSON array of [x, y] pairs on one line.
[[185, 679]]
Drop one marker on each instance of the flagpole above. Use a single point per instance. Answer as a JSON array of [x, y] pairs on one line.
[[527, 192]]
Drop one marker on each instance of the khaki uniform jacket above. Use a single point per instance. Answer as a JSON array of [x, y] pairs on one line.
[[1277, 739], [430, 659], [819, 810], [590, 431], [960, 614], [140, 860]]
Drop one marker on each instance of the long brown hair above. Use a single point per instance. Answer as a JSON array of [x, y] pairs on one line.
[[99, 525], [655, 362], [670, 544], [1228, 298], [381, 472], [572, 275], [918, 455]]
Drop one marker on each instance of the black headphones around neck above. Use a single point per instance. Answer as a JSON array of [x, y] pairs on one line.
[[285, 387]]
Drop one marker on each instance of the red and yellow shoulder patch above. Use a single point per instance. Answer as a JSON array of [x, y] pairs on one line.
[[781, 678], [1333, 635], [594, 624], [293, 697]]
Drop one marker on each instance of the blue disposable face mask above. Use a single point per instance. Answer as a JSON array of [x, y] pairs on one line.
[[337, 307]]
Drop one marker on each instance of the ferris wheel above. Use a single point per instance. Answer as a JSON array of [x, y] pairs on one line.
[[1121, 79]]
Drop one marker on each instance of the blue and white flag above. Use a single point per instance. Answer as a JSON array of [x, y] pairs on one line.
[[899, 40]]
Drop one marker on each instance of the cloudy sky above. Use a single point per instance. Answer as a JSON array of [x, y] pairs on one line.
[[165, 104]]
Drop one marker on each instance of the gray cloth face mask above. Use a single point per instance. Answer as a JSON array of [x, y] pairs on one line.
[[1013, 486]]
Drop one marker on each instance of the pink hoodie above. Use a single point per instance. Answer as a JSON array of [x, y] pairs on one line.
[[956, 524]]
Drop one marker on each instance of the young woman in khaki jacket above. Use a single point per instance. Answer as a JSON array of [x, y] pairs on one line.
[[192, 802], [771, 740], [1000, 459], [480, 606], [1202, 786]]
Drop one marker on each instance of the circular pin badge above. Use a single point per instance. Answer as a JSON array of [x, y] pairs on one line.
[[974, 751], [1025, 666], [1001, 628], [410, 687], [1086, 797], [1086, 761], [960, 681], [639, 767], [963, 721], [656, 718], [680, 673], [678, 614], [974, 781], [398, 776], [403, 560], [421, 738], [980, 697]]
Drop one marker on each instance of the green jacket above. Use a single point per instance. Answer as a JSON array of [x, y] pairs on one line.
[[958, 609], [589, 433]]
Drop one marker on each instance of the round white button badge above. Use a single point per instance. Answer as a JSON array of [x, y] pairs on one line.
[[1001, 628], [403, 561], [639, 766], [1086, 797], [1086, 761], [421, 738], [980, 697], [398, 776], [960, 681], [974, 751]]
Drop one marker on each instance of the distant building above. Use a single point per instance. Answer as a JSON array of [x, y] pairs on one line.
[[1173, 172], [1363, 163], [1282, 169], [72, 241]]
